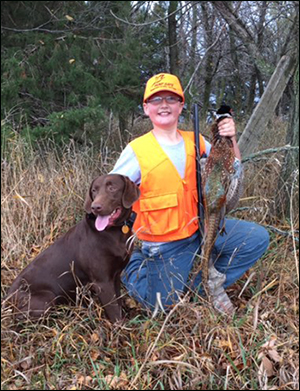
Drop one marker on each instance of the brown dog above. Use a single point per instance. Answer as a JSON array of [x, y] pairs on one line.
[[93, 252]]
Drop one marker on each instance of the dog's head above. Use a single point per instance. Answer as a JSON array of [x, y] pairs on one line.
[[110, 199]]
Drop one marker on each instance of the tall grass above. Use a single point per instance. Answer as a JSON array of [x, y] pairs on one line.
[[42, 195], [42, 191]]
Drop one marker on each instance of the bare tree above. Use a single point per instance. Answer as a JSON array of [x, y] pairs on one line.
[[172, 33], [263, 112]]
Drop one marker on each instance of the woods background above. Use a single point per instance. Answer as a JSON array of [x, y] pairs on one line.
[[72, 79], [71, 69]]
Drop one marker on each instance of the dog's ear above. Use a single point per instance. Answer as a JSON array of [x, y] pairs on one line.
[[88, 200], [131, 193]]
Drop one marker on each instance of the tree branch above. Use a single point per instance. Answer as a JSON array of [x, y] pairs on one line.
[[193, 3], [200, 62], [267, 151]]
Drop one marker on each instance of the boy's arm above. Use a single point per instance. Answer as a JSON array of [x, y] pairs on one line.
[[128, 165]]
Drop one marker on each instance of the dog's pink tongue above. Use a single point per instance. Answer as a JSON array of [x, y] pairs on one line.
[[101, 222]]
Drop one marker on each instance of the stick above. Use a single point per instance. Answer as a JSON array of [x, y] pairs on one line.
[[270, 150]]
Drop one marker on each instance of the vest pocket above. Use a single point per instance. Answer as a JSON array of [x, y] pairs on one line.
[[159, 215]]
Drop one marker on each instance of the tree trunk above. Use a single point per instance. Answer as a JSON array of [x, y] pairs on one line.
[[192, 61], [251, 93], [209, 62], [289, 173], [264, 110], [173, 48], [238, 84], [194, 38]]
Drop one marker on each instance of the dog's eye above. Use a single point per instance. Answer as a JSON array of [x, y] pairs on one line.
[[110, 187]]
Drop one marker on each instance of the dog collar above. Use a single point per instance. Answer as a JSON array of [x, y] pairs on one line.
[[128, 224]]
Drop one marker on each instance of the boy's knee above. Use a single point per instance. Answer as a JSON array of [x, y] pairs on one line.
[[263, 237], [260, 240]]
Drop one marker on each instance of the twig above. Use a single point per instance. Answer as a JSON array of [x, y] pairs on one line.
[[270, 285], [153, 21], [270, 150], [34, 29], [296, 173], [159, 362], [246, 284], [284, 233], [241, 208]]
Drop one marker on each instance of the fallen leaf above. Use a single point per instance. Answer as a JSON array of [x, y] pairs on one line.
[[94, 355], [273, 354], [269, 349], [94, 337], [26, 364], [225, 344], [131, 303], [154, 357], [84, 380], [117, 382], [267, 366]]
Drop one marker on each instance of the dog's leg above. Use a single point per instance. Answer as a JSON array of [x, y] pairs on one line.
[[25, 304], [109, 299]]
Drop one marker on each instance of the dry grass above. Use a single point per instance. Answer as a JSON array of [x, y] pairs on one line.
[[190, 348]]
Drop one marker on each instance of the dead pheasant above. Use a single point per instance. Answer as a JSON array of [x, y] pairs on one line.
[[217, 175]]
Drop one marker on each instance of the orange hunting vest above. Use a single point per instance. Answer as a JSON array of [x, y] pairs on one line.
[[167, 209]]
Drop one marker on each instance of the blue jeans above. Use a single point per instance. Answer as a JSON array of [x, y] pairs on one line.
[[165, 268]]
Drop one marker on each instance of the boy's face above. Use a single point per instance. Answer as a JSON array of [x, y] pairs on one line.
[[165, 114]]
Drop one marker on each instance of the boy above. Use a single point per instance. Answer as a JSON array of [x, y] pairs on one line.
[[162, 163]]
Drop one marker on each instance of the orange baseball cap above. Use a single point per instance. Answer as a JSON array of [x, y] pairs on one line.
[[163, 82]]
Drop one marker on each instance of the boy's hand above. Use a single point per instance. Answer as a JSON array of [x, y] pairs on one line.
[[226, 127]]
